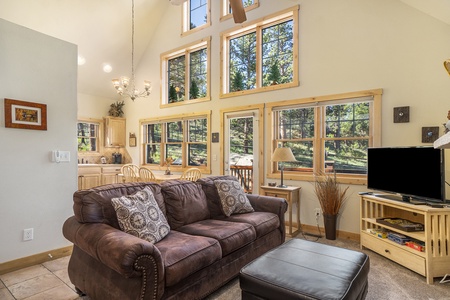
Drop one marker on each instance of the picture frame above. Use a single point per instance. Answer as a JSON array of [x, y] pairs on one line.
[[25, 115], [132, 140]]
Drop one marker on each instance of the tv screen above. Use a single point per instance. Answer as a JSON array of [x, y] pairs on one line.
[[413, 172]]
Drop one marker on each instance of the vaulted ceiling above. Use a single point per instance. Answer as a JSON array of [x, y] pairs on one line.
[[102, 30]]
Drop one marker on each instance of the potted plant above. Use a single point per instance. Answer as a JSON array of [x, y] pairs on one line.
[[331, 197], [116, 109]]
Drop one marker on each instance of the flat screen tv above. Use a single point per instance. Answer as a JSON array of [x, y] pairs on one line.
[[416, 173]]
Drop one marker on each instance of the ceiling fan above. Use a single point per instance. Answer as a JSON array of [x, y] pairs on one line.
[[236, 7]]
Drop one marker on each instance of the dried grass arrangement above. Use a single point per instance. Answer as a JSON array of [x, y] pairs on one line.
[[330, 194]]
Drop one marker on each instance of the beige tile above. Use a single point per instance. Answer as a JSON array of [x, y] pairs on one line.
[[61, 292], [1, 284], [23, 274], [63, 275], [34, 286], [57, 264], [5, 294]]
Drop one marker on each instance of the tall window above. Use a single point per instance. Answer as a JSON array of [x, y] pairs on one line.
[[187, 72], [184, 139], [261, 56], [196, 15], [328, 134], [88, 138]]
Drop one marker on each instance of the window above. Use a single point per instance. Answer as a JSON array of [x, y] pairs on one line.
[[226, 12], [261, 56], [184, 138], [88, 137], [196, 15], [328, 134], [187, 70]]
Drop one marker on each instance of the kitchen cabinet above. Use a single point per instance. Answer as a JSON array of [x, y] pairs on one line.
[[110, 174], [115, 132], [89, 177]]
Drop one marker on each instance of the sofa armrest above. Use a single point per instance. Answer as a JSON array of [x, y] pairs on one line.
[[126, 254], [274, 205]]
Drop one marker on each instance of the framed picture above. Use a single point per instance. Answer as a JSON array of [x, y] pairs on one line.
[[26, 115], [132, 140]]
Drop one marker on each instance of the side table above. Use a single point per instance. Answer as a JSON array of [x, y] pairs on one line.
[[292, 195]]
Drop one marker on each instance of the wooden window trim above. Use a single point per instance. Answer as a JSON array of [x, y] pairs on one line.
[[185, 19], [224, 15]]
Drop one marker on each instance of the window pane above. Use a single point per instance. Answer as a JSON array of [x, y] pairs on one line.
[[277, 53], [153, 153], [243, 62], [174, 151], [246, 3], [347, 156], [198, 13], [176, 72], [198, 65], [296, 123], [347, 120], [153, 133], [197, 130], [196, 154], [87, 136], [303, 152], [241, 136], [175, 131]]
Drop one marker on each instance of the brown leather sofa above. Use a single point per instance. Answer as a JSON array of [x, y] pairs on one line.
[[203, 250]]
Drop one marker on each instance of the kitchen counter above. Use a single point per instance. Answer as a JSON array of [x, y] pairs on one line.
[[100, 165]]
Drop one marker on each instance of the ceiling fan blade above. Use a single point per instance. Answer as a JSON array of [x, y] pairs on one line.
[[238, 11]]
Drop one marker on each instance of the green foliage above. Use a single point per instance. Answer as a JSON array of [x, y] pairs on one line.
[[238, 82], [116, 109], [274, 75], [172, 94], [193, 91]]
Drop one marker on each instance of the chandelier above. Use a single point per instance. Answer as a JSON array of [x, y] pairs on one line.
[[126, 86]]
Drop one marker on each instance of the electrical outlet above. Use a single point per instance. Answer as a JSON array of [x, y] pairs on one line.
[[28, 234], [317, 212]]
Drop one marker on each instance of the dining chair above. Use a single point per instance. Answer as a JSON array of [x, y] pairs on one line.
[[146, 175], [130, 173], [191, 174]]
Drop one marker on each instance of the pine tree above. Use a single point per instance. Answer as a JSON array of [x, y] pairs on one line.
[[193, 91], [172, 94], [237, 83], [274, 75]]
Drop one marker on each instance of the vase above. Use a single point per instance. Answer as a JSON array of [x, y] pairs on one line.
[[329, 221], [168, 171]]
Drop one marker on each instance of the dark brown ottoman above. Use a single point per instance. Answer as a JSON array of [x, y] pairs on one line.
[[300, 269]]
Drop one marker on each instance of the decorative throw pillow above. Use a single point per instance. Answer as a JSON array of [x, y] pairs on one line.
[[232, 197], [140, 215]]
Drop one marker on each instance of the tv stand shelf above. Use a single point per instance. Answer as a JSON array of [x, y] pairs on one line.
[[435, 261]]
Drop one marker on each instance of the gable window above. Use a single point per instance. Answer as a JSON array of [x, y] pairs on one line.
[[88, 136], [261, 56], [328, 134], [187, 74], [196, 15], [183, 138], [226, 12]]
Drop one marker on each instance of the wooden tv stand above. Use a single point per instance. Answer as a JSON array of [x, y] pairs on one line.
[[435, 261]]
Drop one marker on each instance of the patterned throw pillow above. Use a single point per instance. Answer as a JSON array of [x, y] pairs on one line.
[[232, 197], [140, 215]]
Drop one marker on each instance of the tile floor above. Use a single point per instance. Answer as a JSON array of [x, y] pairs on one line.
[[47, 281]]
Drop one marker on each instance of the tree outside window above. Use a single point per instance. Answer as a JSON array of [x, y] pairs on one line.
[[243, 62], [153, 133], [87, 136]]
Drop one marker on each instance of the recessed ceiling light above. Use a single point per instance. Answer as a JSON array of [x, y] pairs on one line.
[[107, 68], [81, 60]]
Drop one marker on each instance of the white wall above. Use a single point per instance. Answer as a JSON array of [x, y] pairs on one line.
[[93, 106], [36, 193], [345, 46]]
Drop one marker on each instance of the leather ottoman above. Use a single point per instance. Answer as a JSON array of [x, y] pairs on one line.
[[300, 269]]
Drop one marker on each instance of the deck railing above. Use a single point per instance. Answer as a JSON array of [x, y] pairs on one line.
[[245, 176]]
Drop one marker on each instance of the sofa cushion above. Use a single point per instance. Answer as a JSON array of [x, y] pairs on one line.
[[94, 205], [139, 215], [185, 254], [211, 193], [185, 202], [263, 222], [232, 197], [231, 235]]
